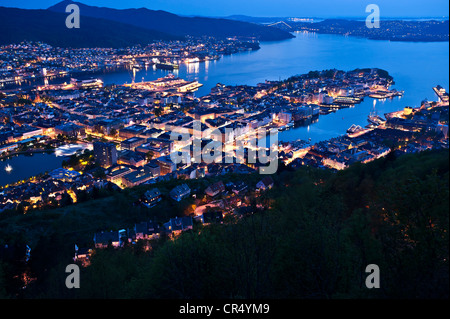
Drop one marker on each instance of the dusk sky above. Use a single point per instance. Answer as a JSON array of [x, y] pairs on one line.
[[267, 8]]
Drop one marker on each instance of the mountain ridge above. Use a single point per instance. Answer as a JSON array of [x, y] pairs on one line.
[[171, 23], [19, 25]]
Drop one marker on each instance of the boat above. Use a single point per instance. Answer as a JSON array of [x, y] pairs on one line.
[[354, 129], [386, 94], [374, 118], [441, 93], [347, 100], [8, 168], [286, 127], [167, 66]]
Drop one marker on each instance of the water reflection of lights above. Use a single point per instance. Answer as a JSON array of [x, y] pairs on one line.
[[70, 149], [193, 67]]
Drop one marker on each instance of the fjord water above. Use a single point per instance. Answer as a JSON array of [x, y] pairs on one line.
[[415, 66]]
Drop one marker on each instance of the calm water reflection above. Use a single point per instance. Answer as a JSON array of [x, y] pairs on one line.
[[26, 166], [415, 66]]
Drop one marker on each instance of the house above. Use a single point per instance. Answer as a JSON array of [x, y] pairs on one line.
[[8, 147], [166, 165], [180, 192], [64, 174], [131, 158], [132, 142], [151, 197], [136, 178], [153, 168], [82, 255], [132, 131], [335, 162], [239, 187], [186, 172], [69, 130], [113, 238], [115, 173], [146, 230], [178, 224], [215, 189], [265, 184]]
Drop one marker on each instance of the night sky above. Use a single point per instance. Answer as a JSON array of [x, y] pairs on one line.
[[266, 8]]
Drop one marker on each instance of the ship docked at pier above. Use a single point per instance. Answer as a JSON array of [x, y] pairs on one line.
[[167, 66], [381, 94]]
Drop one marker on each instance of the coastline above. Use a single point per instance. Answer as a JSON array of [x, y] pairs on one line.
[[391, 39]]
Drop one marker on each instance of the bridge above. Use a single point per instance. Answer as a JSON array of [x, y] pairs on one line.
[[282, 23]]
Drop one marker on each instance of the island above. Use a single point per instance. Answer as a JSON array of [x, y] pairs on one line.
[[392, 30]]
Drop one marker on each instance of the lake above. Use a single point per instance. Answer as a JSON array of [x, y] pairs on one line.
[[26, 166]]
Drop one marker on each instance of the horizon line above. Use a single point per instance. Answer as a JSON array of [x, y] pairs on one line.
[[240, 14], [253, 16]]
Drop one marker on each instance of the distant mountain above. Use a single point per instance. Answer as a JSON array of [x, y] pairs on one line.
[[393, 30], [177, 25], [18, 25], [262, 20]]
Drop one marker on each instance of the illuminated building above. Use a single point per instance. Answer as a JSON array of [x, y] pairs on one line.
[[105, 154]]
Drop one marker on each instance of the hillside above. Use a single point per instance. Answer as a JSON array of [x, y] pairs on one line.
[[181, 26], [322, 229], [18, 25]]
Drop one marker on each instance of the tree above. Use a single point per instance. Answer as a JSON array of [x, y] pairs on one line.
[[99, 173], [315, 241], [98, 128], [113, 132], [149, 156], [61, 137], [24, 101], [157, 111]]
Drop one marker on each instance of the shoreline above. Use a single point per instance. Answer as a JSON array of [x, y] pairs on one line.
[[5, 157], [377, 39]]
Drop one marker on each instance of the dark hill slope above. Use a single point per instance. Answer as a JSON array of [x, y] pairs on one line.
[[18, 25], [173, 24]]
